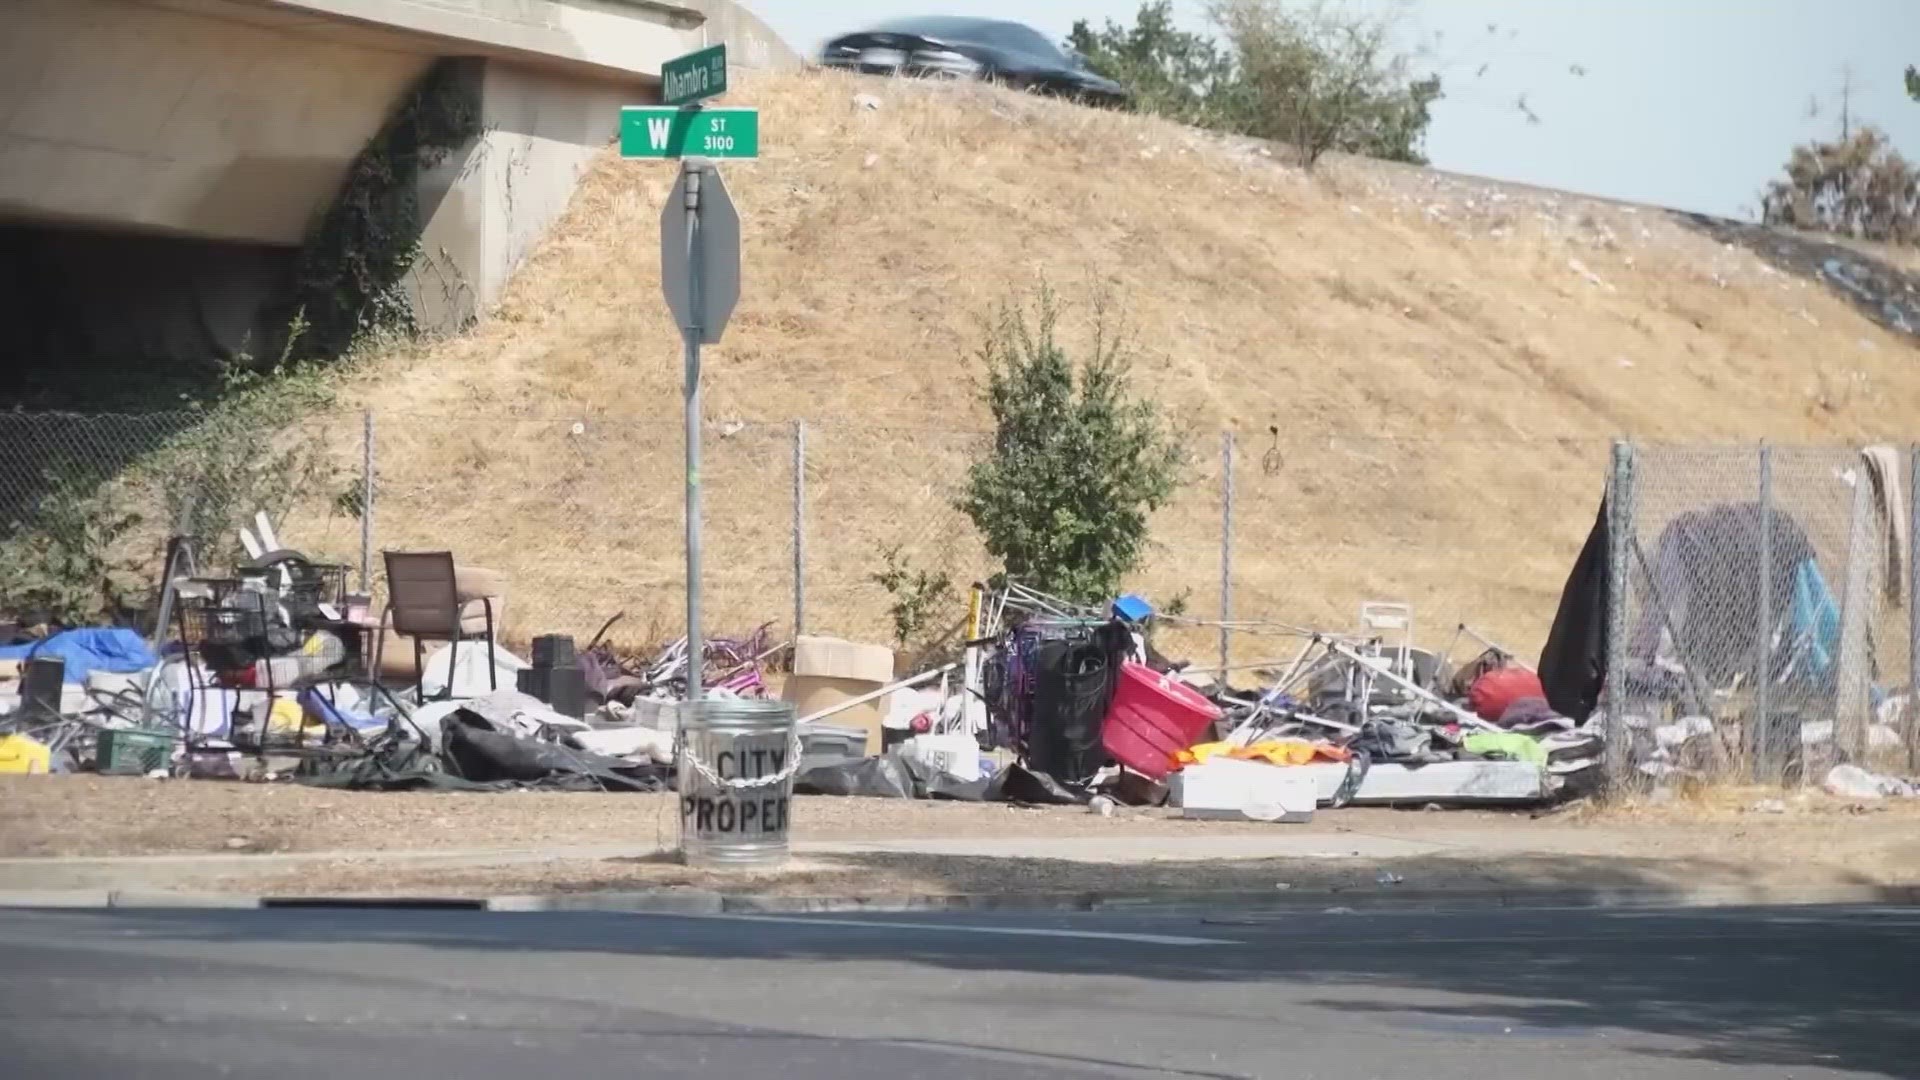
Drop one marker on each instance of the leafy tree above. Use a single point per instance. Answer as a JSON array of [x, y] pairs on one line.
[[1077, 464], [1169, 72], [1857, 186], [1913, 83], [1316, 77], [1320, 78]]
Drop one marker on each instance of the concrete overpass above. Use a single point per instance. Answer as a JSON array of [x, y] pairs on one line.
[[173, 154]]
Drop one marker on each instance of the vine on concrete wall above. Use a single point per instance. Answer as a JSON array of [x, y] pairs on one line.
[[351, 277]]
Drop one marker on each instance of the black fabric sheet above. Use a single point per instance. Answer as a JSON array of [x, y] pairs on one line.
[[892, 776], [1573, 663]]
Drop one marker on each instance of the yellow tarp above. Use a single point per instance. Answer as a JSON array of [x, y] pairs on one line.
[[1273, 752]]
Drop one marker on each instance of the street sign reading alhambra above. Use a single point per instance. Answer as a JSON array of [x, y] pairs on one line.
[[696, 76]]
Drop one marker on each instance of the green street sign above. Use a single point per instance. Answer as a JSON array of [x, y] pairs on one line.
[[694, 77], [650, 132]]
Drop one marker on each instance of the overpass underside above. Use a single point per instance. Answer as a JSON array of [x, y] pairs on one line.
[[163, 163]]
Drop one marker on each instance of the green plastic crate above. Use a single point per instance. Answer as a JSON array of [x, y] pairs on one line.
[[134, 753]]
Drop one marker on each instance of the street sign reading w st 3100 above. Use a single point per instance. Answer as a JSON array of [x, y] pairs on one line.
[[648, 131]]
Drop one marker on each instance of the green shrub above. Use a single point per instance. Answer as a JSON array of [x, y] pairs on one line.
[[70, 569], [1077, 464]]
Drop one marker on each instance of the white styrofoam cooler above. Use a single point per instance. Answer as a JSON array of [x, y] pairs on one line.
[[1232, 789]]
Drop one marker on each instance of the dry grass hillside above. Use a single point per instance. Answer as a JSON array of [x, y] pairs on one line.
[[1445, 361]]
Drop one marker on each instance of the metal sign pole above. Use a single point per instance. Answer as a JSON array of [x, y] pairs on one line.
[[690, 172]]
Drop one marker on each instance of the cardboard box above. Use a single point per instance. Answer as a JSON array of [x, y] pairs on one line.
[[829, 671], [835, 658]]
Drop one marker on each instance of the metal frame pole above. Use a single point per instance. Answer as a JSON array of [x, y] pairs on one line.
[[1913, 609], [366, 502], [690, 172], [1620, 542], [1760, 740], [1226, 550], [799, 528]]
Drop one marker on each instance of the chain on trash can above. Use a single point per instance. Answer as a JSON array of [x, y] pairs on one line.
[[737, 761]]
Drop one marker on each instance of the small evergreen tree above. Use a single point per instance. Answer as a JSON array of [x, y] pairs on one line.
[[1077, 464]]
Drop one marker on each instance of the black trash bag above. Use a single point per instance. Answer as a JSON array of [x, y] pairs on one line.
[[892, 776], [886, 776], [477, 754], [389, 766], [1018, 784]]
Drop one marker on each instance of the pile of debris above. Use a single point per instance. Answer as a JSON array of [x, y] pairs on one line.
[[273, 669], [1090, 713]]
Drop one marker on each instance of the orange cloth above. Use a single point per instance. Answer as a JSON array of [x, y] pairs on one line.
[[1273, 752]]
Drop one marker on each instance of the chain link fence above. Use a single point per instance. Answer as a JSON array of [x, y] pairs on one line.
[[585, 518], [1477, 533], [1765, 632], [87, 502], [1273, 535], [876, 496]]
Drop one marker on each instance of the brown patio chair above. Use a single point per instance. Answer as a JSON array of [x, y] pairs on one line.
[[424, 603]]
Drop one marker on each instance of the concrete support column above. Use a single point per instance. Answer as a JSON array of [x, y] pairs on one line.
[[486, 206]]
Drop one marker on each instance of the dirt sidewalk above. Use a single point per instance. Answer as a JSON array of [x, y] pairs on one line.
[[283, 839]]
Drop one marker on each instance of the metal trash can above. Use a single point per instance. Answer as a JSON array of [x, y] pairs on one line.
[[736, 764]]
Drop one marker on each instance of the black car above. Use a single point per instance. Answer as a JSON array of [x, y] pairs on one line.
[[939, 46]]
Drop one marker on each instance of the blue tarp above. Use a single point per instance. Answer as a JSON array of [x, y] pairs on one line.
[[1816, 618], [114, 649]]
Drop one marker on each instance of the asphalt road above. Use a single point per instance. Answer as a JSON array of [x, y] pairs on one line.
[[1804, 993]]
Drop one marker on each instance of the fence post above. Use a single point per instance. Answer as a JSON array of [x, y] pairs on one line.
[[1760, 739], [366, 502], [799, 528], [1913, 610], [1226, 550], [1620, 541]]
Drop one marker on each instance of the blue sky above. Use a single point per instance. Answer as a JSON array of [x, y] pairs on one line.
[[1686, 103]]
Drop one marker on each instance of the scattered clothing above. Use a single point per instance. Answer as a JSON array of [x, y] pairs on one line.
[[1531, 714], [1394, 740], [1506, 744], [1272, 751]]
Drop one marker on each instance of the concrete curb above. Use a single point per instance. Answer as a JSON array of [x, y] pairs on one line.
[[1226, 904]]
